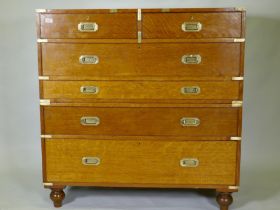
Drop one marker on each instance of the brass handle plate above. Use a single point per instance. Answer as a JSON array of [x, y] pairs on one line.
[[191, 26], [94, 161], [189, 162], [90, 121], [89, 89], [190, 121], [194, 90], [89, 59], [191, 59], [88, 27]]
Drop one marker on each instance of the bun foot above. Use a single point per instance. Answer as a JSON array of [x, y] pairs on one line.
[[224, 199], [57, 195]]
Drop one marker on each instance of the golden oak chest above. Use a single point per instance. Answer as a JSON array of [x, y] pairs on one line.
[[141, 98]]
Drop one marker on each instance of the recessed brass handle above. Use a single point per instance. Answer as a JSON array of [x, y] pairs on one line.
[[191, 59], [90, 121], [189, 162], [88, 27], [191, 26], [192, 90], [89, 59], [89, 89], [189, 121], [94, 161]]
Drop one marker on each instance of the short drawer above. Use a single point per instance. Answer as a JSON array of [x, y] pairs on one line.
[[141, 121], [192, 25], [140, 162], [165, 59], [146, 90], [114, 26]]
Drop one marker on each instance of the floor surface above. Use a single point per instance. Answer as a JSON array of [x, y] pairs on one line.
[[22, 190]]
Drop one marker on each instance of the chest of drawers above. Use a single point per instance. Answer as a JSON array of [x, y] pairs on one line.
[[141, 98]]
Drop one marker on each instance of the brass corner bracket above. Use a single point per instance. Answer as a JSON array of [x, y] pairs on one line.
[[113, 10], [240, 8], [40, 10], [236, 103], [42, 40], [139, 14], [239, 40], [233, 187], [44, 77], [47, 184], [237, 78], [235, 138], [139, 32], [45, 102], [165, 10], [45, 136]]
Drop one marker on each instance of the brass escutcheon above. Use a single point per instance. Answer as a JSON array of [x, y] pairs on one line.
[[191, 26], [189, 121], [89, 59], [189, 162], [88, 27], [91, 161], [193, 90], [90, 121], [191, 59], [89, 89]]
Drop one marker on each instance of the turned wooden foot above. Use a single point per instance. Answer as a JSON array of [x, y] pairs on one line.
[[224, 199], [57, 195]]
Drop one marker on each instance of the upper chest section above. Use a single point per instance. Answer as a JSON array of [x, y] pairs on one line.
[[151, 23]]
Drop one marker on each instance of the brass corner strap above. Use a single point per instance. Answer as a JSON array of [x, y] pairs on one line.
[[236, 103], [45, 102], [139, 14], [240, 8], [113, 10], [46, 136], [237, 78], [165, 10], [47, 184], [139, 32], [44, 78], [233, 187], [40, 10], [42, 40], [239, 40], [235, 138], [139, 37]]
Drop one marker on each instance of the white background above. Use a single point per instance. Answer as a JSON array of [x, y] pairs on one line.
[[20, 156]]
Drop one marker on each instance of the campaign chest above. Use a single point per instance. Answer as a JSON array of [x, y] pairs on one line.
[[141, 98]]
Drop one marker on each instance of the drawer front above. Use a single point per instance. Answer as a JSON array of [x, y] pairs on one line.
[[115, 26], [125, 121], [191, 25], [141, 162], [185, 59], [141, 90]]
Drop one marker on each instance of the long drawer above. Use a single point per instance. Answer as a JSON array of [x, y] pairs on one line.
[[140, 162], [114, 26], [141, 121], [165, 59], [192, 25], [149, 90]]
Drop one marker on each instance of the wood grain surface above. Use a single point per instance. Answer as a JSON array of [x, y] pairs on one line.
[[141, 162], [141, 90], [217, 59], [141, 121], [116, 25], [214, 25]]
